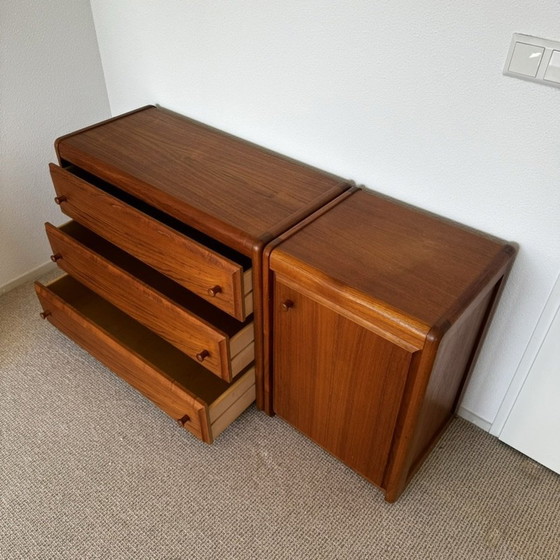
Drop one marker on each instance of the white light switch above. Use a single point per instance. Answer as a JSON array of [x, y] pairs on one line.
[[552, 73], [526, 59], [534, 59]]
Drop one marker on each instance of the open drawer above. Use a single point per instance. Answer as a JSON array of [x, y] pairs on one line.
[[202, 265], [219, 342], [204, 404]]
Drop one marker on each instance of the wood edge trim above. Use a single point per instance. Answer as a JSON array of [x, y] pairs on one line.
[[394, 479], [410, 465], [283, 236], [225, 361], [38, 286], [266, 403], [52, 228], [379, 325], [500, 266], [95, 125], [238, 294], [258, 303], [205, 427]]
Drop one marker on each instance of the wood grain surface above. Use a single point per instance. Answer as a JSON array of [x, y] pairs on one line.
[[193, 265], [178, 385], [397, 300], [418, 264], [187, 322], [231, 189], [337, 382]]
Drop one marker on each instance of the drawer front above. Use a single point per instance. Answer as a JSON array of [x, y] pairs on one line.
[[193, 335], [162, 391], [208, 274]]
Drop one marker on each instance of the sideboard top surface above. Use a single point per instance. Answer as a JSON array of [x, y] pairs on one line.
[[229, 188], [422, 266]]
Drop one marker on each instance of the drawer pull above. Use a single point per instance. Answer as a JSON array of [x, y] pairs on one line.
[[214, 291], [44, 314], [60, 199], [201, 356], [287, 305], [182, 421], [56, 257]]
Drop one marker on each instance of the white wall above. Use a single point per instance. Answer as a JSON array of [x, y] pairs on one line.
[[51, 83], [405, 96]]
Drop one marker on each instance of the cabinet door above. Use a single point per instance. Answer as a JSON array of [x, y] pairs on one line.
[[336, 381]]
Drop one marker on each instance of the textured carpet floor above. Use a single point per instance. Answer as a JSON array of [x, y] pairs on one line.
[[90, 469]]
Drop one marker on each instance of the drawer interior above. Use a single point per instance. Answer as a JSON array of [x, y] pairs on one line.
[[159, 282], [136, 338], [162, 217]]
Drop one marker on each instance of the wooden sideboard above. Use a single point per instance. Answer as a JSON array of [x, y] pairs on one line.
[[209, 272]]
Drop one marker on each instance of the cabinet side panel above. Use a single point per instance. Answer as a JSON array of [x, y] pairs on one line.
[[454, 360], [336, 381]]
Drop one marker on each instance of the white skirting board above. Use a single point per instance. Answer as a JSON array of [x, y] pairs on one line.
[[28, 277], [474, 419]]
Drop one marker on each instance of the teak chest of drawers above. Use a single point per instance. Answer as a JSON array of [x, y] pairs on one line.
[[209, 272], [164, 256]]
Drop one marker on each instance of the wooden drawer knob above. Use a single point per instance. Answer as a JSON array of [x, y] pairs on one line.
[[214, 291], [287, 305], [56, 257], [201, 356], [184, 420], [60, 199], [44, 314]]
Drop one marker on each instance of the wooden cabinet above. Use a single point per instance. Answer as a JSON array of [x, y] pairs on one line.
[[376, 314], [209, 272], [164, 256]]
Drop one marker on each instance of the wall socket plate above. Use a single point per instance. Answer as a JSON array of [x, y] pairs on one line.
[[534, 59]]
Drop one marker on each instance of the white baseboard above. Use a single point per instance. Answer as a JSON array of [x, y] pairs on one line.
[[476, 420], [28, 277]]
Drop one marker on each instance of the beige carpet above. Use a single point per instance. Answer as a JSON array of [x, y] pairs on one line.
[[90, 469]]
